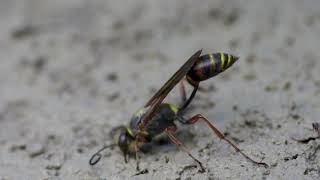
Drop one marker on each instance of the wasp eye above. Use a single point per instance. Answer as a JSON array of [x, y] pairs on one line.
[[124, 141]]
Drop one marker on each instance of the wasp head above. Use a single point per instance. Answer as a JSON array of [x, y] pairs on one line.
[[123, 139]]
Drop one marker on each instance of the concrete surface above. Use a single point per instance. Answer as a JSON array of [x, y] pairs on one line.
[[72, 70]]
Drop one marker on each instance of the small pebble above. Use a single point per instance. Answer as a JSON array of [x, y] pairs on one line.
[[274, 163], [16, 147], [55, 166]]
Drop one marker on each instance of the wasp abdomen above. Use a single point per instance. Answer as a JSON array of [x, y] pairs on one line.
[[210, 65]]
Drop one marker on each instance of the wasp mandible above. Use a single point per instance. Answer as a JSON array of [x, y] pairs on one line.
[[156, 118]]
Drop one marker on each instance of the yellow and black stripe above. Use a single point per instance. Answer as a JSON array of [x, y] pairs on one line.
[[210, 65]]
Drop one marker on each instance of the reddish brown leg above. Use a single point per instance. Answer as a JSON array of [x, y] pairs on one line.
[[197, 117], [181, 145]]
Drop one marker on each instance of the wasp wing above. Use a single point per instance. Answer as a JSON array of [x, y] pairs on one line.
[[159, 96], [168, 86]]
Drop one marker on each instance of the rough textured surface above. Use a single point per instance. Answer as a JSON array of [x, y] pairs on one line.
[[72, 70]]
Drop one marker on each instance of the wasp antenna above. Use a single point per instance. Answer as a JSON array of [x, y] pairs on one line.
[[95, 158]]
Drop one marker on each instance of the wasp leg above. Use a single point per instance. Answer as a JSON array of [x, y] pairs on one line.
[[188, 101], [182, 90], [197, 117], [125, 156], [137, 155], [176, 141]]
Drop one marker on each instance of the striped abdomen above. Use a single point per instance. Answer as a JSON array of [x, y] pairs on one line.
[[210, 65]]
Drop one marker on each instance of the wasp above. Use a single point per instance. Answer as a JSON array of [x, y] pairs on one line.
[[157, 119]]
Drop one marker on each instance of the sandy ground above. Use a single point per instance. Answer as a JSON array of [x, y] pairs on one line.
[[72, 70]]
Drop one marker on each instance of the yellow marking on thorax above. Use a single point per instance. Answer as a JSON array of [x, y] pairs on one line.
[[130, 131], [213, 63], [222, 60], [229, 59], [173, 108]]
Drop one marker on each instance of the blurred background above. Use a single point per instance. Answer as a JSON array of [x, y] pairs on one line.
[[72, 70]]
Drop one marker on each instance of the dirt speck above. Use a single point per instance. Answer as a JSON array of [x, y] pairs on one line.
[[24, 32], [112, 77], [35, 149]]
